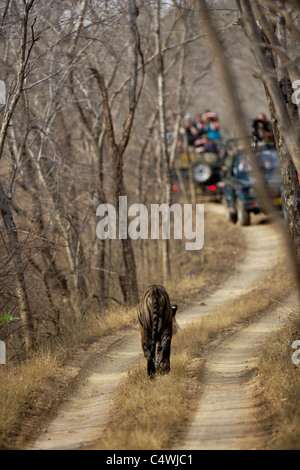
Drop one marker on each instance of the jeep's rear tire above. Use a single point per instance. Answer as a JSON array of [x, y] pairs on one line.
[[231, 215], [243, 216], [202, 172]]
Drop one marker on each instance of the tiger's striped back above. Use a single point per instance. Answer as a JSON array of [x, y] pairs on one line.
[[157, 324]]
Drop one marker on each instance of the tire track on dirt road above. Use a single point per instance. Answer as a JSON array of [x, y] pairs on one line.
[[227, 415], [81, 419]]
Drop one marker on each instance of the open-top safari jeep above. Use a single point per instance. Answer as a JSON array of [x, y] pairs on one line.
[[205, 168]]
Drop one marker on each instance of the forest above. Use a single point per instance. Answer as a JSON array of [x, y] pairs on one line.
[[93, 99]]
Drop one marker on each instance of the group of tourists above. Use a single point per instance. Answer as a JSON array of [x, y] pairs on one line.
[[203, 132], [262, 130]]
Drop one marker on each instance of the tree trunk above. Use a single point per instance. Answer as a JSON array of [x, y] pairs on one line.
[[116, 152], [285, 123], [163, 138], [284, 115], [14, 249], [96, 140], [291, 186]]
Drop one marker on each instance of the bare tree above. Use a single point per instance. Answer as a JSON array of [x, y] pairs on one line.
[[278, 70], [130, 286], [14, 244], [162, 131], [240, 121]]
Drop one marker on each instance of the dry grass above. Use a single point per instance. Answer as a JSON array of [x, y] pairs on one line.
[[17, 386], [94, 327], [138, 426], [20, 381], [276, 368]]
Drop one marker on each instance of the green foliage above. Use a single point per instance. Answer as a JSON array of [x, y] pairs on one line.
[[6, 318]]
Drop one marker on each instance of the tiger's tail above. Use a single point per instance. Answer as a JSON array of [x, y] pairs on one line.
[[155, 318]]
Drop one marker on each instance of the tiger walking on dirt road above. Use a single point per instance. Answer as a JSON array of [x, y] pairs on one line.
[[157, 324]]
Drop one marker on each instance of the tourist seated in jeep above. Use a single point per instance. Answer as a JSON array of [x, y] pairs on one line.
[[206, 145], [212, 125], [189, 128], [262, 130]]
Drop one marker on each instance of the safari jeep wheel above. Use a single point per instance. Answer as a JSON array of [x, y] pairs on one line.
[[202, 172], [230, 214], [243, 216]]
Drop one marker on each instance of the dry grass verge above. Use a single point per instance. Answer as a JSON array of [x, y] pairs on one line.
[[277, 368], [17, 390]]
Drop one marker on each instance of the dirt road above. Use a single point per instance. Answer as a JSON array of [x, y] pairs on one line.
[[83, 415], [227, 417], [224, 417]]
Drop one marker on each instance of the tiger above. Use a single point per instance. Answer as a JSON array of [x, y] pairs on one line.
[[157, 324]]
